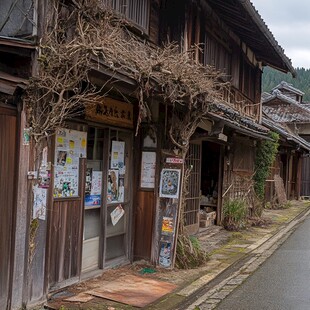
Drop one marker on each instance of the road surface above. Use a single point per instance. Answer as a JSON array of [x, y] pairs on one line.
[[282, 282]]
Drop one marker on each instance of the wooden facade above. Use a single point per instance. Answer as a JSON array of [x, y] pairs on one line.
[[78, 238]]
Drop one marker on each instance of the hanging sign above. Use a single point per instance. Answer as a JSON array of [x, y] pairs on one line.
[[111, 111], [174, 160]]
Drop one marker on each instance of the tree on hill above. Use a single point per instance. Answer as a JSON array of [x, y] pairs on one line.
[[272, 78]]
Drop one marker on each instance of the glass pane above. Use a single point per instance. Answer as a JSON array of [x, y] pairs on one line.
[[115, 247], [95, 143], [91, 223]]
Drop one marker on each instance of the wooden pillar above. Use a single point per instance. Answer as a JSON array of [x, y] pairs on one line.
[[298, 177]]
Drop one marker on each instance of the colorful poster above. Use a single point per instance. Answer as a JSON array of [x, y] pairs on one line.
[[148, 166], [165, 254], [117, 154], [26, 136], [112, 195], [70, 147], [170, 183], [121, 189], [117, 214], [167, 225], [92, 201], [39, 202], [93, 188]]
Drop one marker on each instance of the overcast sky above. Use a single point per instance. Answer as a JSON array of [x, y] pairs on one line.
[[289, 21]]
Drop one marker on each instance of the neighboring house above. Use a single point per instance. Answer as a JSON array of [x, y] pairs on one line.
[[285, 108], [112, 196]]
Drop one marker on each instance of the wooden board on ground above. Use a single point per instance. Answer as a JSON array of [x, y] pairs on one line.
[[82, 297], [280, 190], [133, 290]]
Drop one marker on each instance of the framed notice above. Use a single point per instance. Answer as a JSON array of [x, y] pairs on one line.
[[70, 146], [148, 166], [170, 183]]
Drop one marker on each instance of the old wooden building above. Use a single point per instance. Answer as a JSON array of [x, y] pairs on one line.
[[96, 192], [285, 107]]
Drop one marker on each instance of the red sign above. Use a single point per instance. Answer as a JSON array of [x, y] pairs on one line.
[[174, 160]]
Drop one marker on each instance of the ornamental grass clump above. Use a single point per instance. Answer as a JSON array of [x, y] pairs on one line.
[[189, 253], [234, 214]]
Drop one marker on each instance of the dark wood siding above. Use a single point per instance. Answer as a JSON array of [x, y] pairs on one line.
[[65, 240], [144, 213], [305, 181], [8, 127]]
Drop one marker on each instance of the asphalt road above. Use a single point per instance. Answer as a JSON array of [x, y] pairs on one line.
[[282, 282]]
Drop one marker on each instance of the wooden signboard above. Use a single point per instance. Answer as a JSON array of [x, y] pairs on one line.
[[112, 112]]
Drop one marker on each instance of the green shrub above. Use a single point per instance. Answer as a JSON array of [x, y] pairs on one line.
[[265, 156], [234, 214]]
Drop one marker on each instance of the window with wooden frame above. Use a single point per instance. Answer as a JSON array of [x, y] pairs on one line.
[[243, 157], [247, 79], [217, 55], [136, 11]]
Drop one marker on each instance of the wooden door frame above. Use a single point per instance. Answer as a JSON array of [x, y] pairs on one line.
[[14, 112]]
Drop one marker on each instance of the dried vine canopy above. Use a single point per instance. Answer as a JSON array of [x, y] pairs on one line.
[[81, 35]]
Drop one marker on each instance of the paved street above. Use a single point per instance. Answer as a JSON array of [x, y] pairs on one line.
[[282, 282]]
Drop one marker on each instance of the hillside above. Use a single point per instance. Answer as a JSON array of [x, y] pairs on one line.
[[272, 78]]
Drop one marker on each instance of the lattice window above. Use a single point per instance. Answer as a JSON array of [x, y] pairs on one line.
[[137, 11], [18, 18]]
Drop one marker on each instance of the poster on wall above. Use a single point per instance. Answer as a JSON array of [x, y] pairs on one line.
[[112, 195], [165, 254], [39, 202], [70, 146], [167, 225], [117, 154], [148, 165], [117, 214], [169, 183], [93, 188]]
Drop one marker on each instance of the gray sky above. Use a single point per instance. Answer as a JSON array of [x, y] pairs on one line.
[[289, 21]]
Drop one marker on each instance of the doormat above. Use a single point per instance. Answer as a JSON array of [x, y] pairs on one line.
[[133, 290]]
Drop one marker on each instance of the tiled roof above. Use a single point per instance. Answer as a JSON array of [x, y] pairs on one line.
[[286, 133], [289, 111], [234, 119], [289, 87]]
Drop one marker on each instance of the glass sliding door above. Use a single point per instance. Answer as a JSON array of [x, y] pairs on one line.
[[93, 200], [118, 200], [108, 199]]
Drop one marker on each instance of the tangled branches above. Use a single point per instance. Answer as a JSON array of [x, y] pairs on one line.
[[85, 35]]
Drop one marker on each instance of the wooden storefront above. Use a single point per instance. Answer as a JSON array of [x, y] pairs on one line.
[[90, 221]]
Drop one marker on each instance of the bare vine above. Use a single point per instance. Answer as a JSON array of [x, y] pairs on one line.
[[85, 34]]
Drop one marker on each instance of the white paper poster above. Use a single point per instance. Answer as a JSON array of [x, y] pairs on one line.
[[117, 214], [39, 202], [148, 165], [70, 147], [96, 184], [117, 154]]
